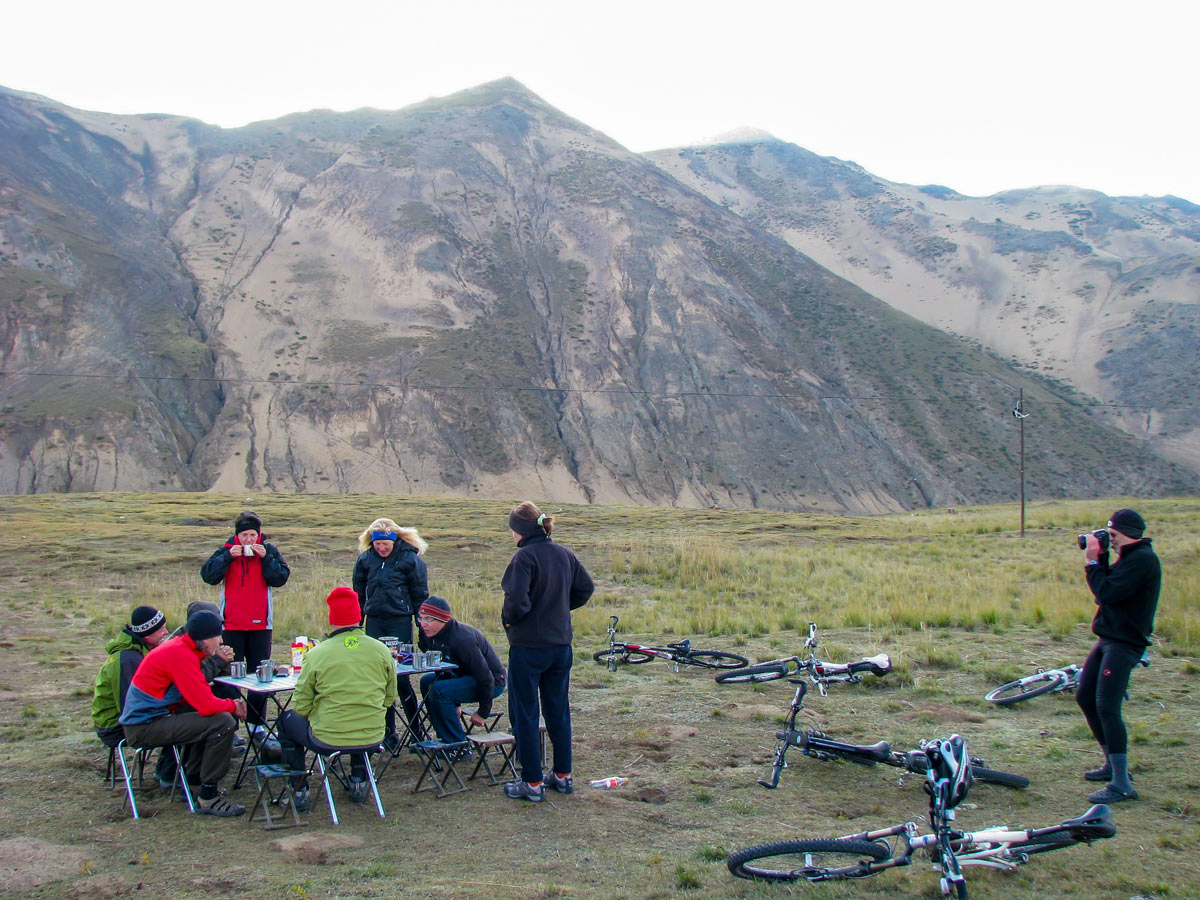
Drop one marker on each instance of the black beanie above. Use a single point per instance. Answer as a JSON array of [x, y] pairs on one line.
[[203, 625], [246, 521], [1128, 522], [146, 620]]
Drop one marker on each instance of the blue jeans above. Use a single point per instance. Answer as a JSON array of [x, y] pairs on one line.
[[442, 698], [540, 673]]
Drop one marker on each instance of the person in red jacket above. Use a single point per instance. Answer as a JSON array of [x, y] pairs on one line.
[[170, 702], [247, 568]]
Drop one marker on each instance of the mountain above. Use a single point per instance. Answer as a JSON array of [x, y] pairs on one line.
[[1100, 292], [476, 295]]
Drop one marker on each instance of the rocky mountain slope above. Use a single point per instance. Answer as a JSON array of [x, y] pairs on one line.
[[474, 295], [1101, 292]]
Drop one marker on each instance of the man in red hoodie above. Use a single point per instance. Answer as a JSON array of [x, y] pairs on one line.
[[248, 569], [170, 702]]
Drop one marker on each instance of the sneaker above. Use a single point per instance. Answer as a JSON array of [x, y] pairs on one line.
[[523, 790], [219, 806], [163, 782], [562, 785], [1111, 794], [460, 754], [239, 744], [358, 789], [303, 800], [391, 743]]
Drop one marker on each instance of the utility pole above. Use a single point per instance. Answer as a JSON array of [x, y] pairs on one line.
[[1021, 416]]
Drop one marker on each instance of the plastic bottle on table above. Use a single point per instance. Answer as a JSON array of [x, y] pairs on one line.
[[614, 781], [299, 648]]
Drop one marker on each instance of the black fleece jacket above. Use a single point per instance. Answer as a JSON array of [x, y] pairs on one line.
[[1126, 594], [542, 584], [468, 649]]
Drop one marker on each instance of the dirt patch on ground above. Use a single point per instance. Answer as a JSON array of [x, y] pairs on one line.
[[738, 711], [28, 863], [316, 848], [942, 713]]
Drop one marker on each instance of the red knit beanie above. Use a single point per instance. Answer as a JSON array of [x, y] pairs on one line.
[[343, 607]]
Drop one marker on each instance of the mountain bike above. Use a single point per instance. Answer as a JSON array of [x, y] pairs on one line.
[[1043, 681], [817, 745], [809, 668], [947, 779], [678, 654]]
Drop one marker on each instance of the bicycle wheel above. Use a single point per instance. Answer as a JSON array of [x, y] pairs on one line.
[[714, 659], [992, 776], [762, 672], [612, 655], [830, 859], [1017, 691]]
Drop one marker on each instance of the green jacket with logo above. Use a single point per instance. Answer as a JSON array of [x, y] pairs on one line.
[[125, 653], [347, 683]]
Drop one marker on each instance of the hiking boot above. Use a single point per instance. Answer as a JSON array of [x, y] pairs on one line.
[[523, 790], [1104, 773], [562, 785], [219, 806], [358, 789], [239, 744], [1111, 794], [303, 800], [391, 743], [269, 750]]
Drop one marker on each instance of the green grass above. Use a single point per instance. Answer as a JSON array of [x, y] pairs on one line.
[[960, 602]]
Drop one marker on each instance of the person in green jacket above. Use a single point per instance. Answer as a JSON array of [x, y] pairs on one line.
[[346, 685], [147, 629]]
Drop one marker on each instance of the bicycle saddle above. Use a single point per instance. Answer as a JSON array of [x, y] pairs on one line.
[[879, 752], [681, 646], [876, 665], [1095, 823]]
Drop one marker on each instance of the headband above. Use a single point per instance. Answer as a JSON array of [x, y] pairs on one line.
[[384, 536]]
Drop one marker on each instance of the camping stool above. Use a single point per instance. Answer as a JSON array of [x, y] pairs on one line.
[[263, 776], [140, 754], [490, 721], [439, 766], [504, 744], [329, 762]]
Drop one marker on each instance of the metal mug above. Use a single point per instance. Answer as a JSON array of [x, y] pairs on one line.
[[265, 671], [237, 668], [418, 661], [434, 657]]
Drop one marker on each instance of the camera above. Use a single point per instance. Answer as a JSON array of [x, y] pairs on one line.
[[1100, 534]]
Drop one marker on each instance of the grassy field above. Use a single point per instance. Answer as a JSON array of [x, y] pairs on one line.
[[959, 600]]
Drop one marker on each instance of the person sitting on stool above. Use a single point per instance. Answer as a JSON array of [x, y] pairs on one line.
[[346, 685], [480, 676]]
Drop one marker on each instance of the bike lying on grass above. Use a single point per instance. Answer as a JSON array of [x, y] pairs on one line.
[[817, 745], [678, 654], [810, 668], [947, 779], [1043, 681]]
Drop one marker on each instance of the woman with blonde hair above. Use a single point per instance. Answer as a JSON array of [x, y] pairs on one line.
[[391, 581], [542, 584]]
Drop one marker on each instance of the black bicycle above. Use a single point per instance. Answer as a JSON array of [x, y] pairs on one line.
[[818, 745], [678, 654], [947, 779]]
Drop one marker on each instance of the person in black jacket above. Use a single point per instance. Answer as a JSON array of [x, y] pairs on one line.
[[391, 581], [480, 676], [1126, 599], [542, 584]]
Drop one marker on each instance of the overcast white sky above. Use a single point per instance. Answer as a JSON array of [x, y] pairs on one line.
[[981, 97]]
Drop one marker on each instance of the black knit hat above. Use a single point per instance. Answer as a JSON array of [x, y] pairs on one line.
[[246, 521], [1128, 522], [437, 608], [203, 625], [146, 620]]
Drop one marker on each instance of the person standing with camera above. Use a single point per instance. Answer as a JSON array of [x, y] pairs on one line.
[[1126, 595]]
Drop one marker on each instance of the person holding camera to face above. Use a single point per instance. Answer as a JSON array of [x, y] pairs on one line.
[[1126, 593]]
